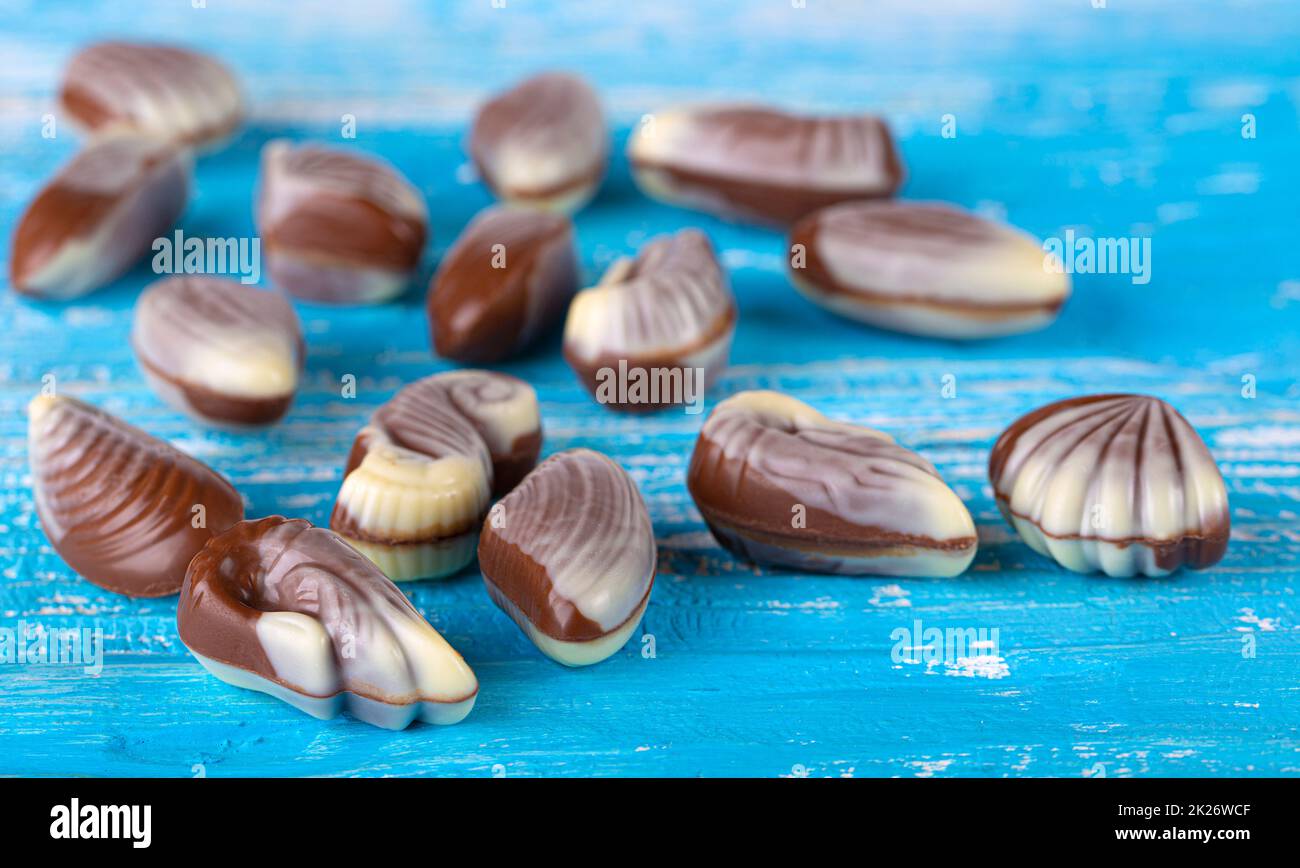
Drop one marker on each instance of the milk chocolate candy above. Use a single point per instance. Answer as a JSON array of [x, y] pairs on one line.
[[225, 353], [778, 483], [655, 322], [1120, 484], [747, 162], [425, 467], [542, 143], [124, 509], [168, 92], [98, 215], [338, 227], [570, 556], [505, 281], [292, 610], [926, 269]]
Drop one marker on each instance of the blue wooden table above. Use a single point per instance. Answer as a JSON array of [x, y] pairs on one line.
[[1122, 121]]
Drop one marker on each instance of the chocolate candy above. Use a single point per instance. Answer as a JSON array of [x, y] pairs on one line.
[[289, 609], [422, 472], [168, 92], [98, 215], [338, 227], [508, 278], [779, 483], [654, 319], [542, 143], [748, 162], [125, 510], [1116, 483], [570, 556], [925, 268], [225, 353]]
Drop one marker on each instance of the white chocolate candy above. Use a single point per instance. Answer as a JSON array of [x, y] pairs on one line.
[[570, 556], [925, 268], [289, 609], [1120, 484]]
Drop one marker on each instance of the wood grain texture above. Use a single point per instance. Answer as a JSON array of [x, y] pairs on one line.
[[1116, 122]]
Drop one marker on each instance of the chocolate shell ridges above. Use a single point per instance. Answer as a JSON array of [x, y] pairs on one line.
[[225, 353], [925, 268], [670, 308], [543, 143], [779, 483], [1120, 484], [292, 610], [762, 164], [124, 509], [170, 92], [424, 468], [570, 555], [340, 227]]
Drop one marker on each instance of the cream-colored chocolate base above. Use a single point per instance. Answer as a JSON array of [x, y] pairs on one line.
[[565, 202], [175, 397], [381, 714], [574, 653], [314, 280], [929, 320], [898, 560], [1090, 555], [410, 562]]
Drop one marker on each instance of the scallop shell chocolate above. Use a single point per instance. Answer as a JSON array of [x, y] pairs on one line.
[[543, 143], [1120, 484], [225, 353], [292, 610], [179, 95], [425, 467], [778, 483], [925, 268], [570, 556], [657, 329], [124, 509]]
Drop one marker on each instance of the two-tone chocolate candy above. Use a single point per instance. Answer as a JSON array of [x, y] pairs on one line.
[[656, 327], [749, 162], [925, 268], [223, 352], [424, 469], [570, 556], [98, 216], [778, 483], [338, 226], [543, 143], [292, 610], [1120, 484], [172, 93], [124, 509], [506, 280]]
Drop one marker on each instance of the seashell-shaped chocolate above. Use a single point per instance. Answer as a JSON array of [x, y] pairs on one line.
[[289, 609], [779, 483], [225, 353], [570, 555], [543, 143], [124, 509], [425, 467], [339, 227], [748, 162], [172, 93], [657, 329], [925, 268], [98, 216], [506, 280], [1120, 484]]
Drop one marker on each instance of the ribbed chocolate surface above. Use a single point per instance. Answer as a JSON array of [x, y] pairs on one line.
[[117, 504]]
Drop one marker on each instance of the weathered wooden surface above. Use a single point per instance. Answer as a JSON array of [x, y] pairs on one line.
[[1121, 121]]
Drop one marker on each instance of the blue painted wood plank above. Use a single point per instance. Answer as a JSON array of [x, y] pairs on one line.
[[1122, 121]]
